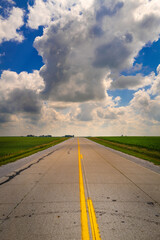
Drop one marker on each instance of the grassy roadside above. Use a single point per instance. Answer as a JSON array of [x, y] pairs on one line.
[[28, 147], [137, 151]]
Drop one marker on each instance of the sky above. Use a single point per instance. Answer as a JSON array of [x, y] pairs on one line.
[[88, 68]]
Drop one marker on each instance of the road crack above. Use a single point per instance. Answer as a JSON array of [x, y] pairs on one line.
[[16, 173]]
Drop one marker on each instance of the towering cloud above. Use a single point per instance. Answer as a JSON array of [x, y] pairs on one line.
[[80, 47]]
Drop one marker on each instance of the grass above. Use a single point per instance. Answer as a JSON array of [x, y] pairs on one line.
[[14, 148], [147, 148]]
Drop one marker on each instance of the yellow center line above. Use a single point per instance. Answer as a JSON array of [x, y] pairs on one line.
[[84, 219], [92, 215], [93, 221]]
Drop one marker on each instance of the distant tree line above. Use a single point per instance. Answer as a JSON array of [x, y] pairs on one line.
[[30, 135], [69, 135]]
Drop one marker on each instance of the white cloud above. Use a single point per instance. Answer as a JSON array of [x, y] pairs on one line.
[[131, 82], [19, 96], [87, 112], [11, 80], [111, 113], [137, 67], [68, 72], [145, 106], [40, 14], [44, 12], [79, 51], [9, 26], [155, 87]]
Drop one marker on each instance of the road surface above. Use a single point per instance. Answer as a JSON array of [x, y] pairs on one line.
[[80, 191]]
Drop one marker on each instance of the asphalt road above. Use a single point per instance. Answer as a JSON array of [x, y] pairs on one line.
[[80, 191]]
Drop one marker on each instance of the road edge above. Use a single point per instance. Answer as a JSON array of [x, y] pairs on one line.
[[140, 161]]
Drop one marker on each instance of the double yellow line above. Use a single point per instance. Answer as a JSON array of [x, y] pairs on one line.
[[92, 215]]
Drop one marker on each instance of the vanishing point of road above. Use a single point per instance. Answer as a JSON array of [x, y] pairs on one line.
[[80, 190]]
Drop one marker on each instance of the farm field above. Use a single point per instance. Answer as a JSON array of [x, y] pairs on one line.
[[147, 148], [13, 148]]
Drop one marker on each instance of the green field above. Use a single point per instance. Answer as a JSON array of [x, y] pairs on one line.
[[147, 148], [13, 148]]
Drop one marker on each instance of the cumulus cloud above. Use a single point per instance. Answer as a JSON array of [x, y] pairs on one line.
[[40, 14], [79, 50], [19, 95], [9, 26], [155, 87], [44, 12], [131, 82], [110, 11], [4, 117], [23, 101], [111, 113], [111, 55], [86, 112], [65, 73], [145, 106], [10, 80]]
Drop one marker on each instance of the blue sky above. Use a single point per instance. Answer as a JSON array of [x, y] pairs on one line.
[[149, 56], [25, 56], [69, 71]]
